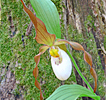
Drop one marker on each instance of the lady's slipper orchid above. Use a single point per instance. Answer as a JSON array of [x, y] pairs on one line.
[[60, 61]]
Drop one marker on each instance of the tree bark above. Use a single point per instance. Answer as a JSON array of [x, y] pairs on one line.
[[75, 14]]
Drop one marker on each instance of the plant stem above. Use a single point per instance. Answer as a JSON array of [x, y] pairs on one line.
[[78, 70]]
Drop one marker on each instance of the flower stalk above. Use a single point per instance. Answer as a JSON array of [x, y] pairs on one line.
[[78, 70], [60, 61]]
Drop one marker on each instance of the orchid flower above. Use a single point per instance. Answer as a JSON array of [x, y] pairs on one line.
[[60, 61]]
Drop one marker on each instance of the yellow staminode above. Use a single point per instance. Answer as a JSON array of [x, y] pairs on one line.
[[54, 52]]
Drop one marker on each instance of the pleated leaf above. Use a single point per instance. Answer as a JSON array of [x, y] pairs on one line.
[[47, 12], [71, 92]]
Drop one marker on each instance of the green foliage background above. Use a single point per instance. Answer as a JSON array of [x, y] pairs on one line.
[[12, 50]]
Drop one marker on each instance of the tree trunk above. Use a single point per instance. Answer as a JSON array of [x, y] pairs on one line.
[[75, 14]]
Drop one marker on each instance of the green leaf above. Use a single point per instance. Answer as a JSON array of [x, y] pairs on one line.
[[47, 12], [72, 92]]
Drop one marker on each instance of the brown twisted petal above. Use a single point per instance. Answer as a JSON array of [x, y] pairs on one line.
[[87, 56], [93, 73], [35, 71], [75, 45], [42, 36]]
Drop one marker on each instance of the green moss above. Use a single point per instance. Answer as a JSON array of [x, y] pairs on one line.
[[58, 4], [12, 50], [13, 47], [89, 45]]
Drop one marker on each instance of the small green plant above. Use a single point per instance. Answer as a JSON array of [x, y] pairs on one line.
[[50, 19]]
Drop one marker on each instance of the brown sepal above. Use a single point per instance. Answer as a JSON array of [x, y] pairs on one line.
[[35, 73], [42, 36], [42, 49], [87, 56], [93, 73], [37, 84], [75, 45]]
